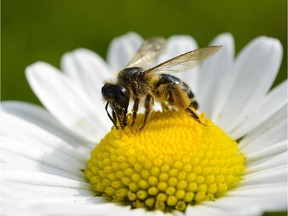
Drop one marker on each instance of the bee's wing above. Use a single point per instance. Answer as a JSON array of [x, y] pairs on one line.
[[148, 52], [185, 61]]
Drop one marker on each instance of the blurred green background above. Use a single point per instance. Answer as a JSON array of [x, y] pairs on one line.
[[43, 30]]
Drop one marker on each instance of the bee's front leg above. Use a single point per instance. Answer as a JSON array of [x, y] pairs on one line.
[[149, 101], [113, 117]]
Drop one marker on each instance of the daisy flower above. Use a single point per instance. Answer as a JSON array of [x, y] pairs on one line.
[[66, 160]]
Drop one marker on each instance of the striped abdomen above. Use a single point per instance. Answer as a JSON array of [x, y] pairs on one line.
[[169, 84]]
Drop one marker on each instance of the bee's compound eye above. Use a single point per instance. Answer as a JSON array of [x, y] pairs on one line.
[[123, 92], [122, 97], [107, 91]]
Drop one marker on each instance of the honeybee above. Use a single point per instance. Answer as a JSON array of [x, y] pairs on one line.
[[145, 84]]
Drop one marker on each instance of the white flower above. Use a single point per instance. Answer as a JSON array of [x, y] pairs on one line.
[[44, 150]]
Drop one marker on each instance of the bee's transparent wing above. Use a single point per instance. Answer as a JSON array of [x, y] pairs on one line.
[[185, 61], [148, 52]]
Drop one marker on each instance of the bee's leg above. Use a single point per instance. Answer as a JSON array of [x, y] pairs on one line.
[[190, 111], [125, 118], [135, 110], [193, 114], [113, 119], [149, 101], [183, 101], [165, 106]]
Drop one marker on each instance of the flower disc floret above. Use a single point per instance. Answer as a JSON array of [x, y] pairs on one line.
[[174, 162]]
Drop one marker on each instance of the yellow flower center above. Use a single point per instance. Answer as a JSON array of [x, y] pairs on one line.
[[174, 162]]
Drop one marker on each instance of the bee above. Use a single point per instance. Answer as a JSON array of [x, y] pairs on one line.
[[145, 84]]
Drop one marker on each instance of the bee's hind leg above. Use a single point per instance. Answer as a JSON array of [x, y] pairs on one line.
[[192, 114], [190, 111]]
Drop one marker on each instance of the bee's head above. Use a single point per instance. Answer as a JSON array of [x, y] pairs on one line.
[[117, 94], [118, 98]]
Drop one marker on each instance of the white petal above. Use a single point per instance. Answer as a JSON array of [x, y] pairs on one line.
[[89, 71], [30, 136], [261, 58], [273, 162], [79, 200], [40, 117], [16, 156], [215, 71], [204, 210], [64, 207], [43, 179], [256, 198], [122, 49], [225, 207], [17, 162], [258, 190], [177, 45], [273, 102], [268, 152], [270, 132], [28, 185], [273, 175], [66, 102], [67, 205], [253, 206]]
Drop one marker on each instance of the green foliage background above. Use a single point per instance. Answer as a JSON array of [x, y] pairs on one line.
[[44, 30]]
